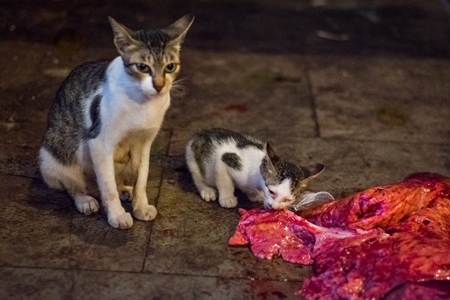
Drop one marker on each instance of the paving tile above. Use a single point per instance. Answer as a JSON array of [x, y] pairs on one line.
[[18, 160], [239, 90], [29, 84], [25, 134], [28, 283], [34, 224], [165, 286], [32, 283], [95, 245], [190, 237], [382, 98]]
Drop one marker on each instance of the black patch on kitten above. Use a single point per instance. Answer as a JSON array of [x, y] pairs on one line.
[[232, 160]]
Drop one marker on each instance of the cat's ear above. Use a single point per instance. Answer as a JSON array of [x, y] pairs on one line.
[[123, 36], [311, 172], [177, 31], [267, 166], [270, 153]]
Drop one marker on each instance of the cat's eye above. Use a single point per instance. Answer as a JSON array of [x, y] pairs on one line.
[[143, 68], [170, 68], [273, 194]]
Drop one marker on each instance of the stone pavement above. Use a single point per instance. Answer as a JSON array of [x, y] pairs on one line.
[[360, 86]]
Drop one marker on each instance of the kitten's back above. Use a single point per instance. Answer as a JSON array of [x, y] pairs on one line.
[[205, 142]]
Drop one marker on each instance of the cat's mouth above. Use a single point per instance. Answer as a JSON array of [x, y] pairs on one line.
[[284, 203]]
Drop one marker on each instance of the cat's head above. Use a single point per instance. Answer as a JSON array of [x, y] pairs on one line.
[[152, 56], [284, 181]]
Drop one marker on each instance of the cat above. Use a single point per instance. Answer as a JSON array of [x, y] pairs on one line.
[[222, 159], [105, 117]]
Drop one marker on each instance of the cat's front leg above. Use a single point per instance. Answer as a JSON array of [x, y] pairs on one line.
[[225, 186], [103, 161], [141, 209]]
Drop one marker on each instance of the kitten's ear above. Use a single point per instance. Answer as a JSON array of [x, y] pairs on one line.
[[123, 36], [314, 170], [311, 172], [177, 31], [267, 166], [270, 153]]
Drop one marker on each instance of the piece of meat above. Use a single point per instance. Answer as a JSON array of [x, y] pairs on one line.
[[383, 242], [286, 234], [429, 290], [382, 206]]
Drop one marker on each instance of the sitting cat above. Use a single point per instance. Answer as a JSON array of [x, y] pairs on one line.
[[105, 117], [220, 158]]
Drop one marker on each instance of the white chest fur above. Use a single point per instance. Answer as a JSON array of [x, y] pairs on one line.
[[130, 105]]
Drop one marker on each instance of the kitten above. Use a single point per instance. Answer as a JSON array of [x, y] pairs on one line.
[[105, 117], [220, 158]]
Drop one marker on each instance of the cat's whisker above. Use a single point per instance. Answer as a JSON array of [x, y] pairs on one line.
[[178, 90]]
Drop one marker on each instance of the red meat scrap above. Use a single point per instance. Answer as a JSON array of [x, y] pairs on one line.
[[385, 242]]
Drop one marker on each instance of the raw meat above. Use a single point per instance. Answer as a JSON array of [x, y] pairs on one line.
[[386, 242]]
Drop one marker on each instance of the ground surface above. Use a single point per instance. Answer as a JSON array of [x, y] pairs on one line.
[[362, 88]]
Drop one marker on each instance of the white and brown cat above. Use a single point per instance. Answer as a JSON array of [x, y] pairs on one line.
[[105, 117]]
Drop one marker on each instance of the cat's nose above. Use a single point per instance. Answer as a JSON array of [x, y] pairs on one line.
[[158, 83], [158, 88]]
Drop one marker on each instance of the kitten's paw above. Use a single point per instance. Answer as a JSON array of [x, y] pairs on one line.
[[228, 202], [145, 213], [208, 194], [86, 204], [122, 221], [126, 193]]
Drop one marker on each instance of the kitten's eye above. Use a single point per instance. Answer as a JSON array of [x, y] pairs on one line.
[[170, 68], [143, 68], [273, 194]]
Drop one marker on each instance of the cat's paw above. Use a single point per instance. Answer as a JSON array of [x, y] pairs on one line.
[[145, 213], [126, 193], [123, 221], [86, 204], [208, 194], [228, 202]]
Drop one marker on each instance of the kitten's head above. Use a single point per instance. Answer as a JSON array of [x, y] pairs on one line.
[[284, 180], [152, 56]]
